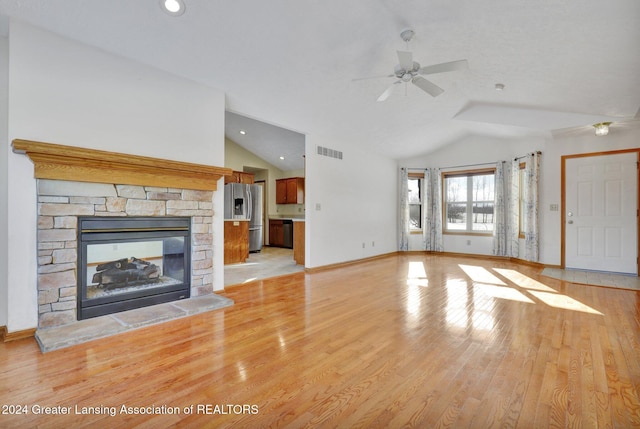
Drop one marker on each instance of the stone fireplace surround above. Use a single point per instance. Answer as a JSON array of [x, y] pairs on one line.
[[74, 182], [61, 202]]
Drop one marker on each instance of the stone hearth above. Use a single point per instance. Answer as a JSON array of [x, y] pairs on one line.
[[99, 327]]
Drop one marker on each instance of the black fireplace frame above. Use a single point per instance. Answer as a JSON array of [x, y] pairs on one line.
[[98, 230]]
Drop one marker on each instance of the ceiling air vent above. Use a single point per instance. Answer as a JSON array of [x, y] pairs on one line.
[[331, 153]]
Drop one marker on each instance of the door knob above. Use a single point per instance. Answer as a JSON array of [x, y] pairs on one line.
[[570, 221]]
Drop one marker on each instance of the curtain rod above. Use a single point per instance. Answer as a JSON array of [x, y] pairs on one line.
[[524, 156], [454, 166], [471, 165]]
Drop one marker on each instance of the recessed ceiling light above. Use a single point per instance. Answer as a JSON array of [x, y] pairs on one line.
[[243, 132], [282, 157], [499, 86], [173, 7]]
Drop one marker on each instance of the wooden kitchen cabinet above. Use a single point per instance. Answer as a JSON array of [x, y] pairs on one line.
[[290, 191], [298, 242], [240, 177], [236, 241], [281, 191], [276, 233]]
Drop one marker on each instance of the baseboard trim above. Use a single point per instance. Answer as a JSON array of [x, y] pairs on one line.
[[7, 336], [531, 264], [353, 262], [468, 255], [430, 252], [480, 256]]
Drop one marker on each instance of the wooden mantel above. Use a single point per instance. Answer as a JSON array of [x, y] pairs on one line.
[[58, 162]]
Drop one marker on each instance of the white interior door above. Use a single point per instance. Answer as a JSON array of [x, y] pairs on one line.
[[601, 213]]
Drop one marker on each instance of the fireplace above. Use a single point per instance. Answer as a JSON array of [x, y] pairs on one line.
[[127, 263], [76, 186]]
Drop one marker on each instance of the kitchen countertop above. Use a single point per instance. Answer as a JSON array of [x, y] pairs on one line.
[[236, 220], [293, 218]]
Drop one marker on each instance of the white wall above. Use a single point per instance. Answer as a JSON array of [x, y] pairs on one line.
[[476, 149], [357, 204], [4, 95], [64, 92]]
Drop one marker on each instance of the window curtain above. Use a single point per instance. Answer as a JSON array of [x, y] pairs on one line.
[[513, 211], [403, 226], [531, 205], [432, 225], [500, 229]]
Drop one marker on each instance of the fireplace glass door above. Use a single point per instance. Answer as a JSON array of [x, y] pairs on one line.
[[126, 263]]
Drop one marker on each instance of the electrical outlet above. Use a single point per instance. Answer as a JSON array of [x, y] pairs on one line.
[[468, 242], [363, 245], [553, 207], [373, 244], [318, 207]]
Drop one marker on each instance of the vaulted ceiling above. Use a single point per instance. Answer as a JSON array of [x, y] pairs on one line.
[[292, 63]]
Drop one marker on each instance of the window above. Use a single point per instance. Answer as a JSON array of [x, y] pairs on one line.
[[469, 201], [415, 202]]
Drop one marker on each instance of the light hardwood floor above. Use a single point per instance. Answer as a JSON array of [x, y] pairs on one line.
[[404, 341]]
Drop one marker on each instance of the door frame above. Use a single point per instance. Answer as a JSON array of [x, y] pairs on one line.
[[263, 184], [563, 190]]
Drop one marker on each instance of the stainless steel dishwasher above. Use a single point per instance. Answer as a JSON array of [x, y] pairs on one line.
[[287, 227]]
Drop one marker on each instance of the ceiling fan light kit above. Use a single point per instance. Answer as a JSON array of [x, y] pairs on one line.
[[407, 35], [602, 128]]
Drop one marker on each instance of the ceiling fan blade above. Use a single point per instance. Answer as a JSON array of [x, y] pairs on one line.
[[428, 87], [372, 77], [405, 59], [445, 67], [387, 92]]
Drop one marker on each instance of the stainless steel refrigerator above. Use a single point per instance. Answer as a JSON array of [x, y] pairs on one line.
[[245, 202], [255, 218], [236, 201]]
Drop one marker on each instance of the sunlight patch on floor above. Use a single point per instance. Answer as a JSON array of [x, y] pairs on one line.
[[481, 275], [456, 309], [417, 275], [522, 280], [491, 285], [559, 300], [503, 292], [416, 278], [466, 309]]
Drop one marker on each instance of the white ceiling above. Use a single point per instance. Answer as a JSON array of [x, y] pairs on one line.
[[281, 147], [291, 63]]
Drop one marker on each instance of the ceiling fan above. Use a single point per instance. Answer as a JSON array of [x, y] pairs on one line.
[[408, 70]]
